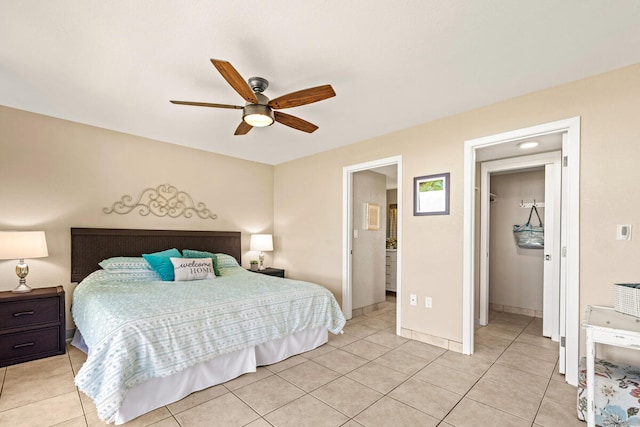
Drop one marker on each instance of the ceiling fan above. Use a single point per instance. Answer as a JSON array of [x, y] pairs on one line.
[[258, 111]]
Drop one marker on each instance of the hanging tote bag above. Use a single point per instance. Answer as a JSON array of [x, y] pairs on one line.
[[530, 236]]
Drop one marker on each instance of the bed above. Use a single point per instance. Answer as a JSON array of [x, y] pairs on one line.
[[151, 342]]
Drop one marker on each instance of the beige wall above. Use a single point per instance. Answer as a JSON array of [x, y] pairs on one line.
[[57, 174], [308, 196], [515, 274]]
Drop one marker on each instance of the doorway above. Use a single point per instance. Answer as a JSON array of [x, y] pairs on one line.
[[570, 222], [348, 232]]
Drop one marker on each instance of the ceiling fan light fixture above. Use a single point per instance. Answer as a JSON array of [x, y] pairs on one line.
[[258, 115]]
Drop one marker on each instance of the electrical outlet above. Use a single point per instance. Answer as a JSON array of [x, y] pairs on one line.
[[428, 302], [413, 299]]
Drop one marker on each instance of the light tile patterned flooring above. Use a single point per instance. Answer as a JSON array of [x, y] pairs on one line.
[[366, 377]]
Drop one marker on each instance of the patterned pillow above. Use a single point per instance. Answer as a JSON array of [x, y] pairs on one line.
[[226, 261], [161, 263], [192, 268], [125, 264], [126, 276], [191, 253]]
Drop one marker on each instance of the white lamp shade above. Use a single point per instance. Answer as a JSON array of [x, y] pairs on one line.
[[23, 244], [261, 242]]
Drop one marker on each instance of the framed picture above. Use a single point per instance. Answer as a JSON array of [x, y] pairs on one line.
[[371, 216], [431, 194]]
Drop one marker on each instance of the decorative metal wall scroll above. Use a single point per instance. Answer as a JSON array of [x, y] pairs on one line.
[[166, 200]]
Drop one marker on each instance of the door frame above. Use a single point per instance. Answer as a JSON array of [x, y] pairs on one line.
[[571, 162], [347, 238], [552, 170]]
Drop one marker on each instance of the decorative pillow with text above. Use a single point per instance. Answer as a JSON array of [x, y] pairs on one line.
[[192, 269], [190, 253]]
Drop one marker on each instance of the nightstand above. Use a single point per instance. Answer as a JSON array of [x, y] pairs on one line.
[[32, 325], [269, 271]]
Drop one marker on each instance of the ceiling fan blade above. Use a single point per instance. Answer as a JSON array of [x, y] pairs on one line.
[[243, 128], [207, 104], [236, 81], [302, 97], [294, 122]]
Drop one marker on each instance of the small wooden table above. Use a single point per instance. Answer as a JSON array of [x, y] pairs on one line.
[[606, 326]]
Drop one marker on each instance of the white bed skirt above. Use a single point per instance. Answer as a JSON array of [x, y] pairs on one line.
[[159, 392]]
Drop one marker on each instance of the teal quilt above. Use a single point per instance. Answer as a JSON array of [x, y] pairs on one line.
[[137, 329]]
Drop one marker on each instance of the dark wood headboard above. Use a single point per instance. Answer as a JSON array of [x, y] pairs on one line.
[[89, 246]]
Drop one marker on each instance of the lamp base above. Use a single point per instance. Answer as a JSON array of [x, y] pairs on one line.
[[261, 258], [22, 269], [22, 288]]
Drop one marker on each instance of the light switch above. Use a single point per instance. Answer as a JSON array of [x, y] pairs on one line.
[[623, 232]]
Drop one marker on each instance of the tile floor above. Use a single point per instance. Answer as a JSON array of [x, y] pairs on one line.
[[367, 376]]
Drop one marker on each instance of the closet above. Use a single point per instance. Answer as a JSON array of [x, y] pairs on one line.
[[515, 274]]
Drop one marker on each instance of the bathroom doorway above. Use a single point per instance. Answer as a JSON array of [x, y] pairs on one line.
[[351, 229]]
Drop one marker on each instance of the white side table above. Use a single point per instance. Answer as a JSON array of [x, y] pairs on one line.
[[607, 326]]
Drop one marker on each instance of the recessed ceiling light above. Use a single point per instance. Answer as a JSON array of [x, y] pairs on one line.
[[528, 144]]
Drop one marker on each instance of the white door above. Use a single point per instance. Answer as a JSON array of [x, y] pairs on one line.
[[562, 295], [551, 288]]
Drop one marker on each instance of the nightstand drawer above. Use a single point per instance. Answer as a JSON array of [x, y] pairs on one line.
[[15, 314], [29, 345]]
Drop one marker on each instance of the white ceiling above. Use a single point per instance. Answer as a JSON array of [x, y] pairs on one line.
[[393, 64]]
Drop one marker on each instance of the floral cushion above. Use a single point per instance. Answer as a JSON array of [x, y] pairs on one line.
[[617, 394]]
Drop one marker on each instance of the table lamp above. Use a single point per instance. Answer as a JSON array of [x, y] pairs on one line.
[[261, 242], [21, 245]]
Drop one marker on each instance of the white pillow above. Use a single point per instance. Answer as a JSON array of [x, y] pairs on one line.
[[192, 268]]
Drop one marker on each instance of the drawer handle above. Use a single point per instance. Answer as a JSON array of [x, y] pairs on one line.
[[27, 344], [23, 313]]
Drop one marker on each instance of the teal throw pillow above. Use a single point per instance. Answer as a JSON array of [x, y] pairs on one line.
[[227, 261], [161, 263], [191, 253]]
